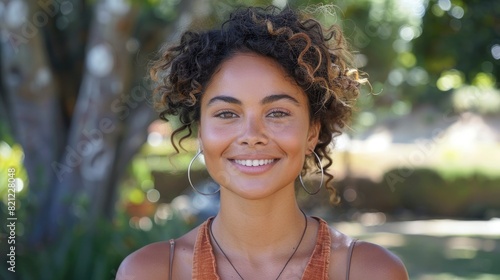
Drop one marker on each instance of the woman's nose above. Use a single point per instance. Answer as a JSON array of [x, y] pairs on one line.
[[253, 132]]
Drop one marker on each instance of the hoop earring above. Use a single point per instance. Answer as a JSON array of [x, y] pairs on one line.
[[322, 176], [189, 175]]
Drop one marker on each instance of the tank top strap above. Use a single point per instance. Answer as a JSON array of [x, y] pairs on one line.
[[317, 267], [204, 265], [349, 258], [171, 258]]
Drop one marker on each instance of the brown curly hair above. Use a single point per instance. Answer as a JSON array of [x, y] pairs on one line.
[[317, 59]]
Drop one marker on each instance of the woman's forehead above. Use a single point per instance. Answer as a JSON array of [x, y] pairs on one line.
[[252, 74]]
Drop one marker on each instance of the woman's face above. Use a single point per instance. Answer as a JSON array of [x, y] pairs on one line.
[[254, 127]]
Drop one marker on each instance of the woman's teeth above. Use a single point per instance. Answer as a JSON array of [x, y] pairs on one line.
[[253, 162]]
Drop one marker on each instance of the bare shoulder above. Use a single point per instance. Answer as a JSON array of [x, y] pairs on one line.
[[368, 260], [149, 262], [371, 261], [153, 261]]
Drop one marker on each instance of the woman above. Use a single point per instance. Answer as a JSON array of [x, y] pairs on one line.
[[267, 91]]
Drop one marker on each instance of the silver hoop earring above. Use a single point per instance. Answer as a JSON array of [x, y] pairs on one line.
[[322, 176], [189, 175]]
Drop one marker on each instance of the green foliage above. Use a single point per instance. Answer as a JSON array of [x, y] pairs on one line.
[[85, 252], [421, 193], [457, 36], [164, 9], [12, 157], [137, 182], [5, 134], [416, 52]]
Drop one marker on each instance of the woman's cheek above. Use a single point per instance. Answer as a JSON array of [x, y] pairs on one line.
[[289, 130], [215, 140], [217, 132], [278, 128], [212, 129]]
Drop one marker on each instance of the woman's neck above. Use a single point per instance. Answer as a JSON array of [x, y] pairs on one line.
[[256, 227]]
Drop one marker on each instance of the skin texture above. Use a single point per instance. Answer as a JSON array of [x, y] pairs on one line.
[[252, 110]]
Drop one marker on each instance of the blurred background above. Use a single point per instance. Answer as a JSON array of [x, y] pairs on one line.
[[418, 170]]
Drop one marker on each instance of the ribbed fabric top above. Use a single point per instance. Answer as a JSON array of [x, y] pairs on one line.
[[204, 264]]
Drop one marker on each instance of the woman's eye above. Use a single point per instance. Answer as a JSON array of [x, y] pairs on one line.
[[226, 115], [278, 114]]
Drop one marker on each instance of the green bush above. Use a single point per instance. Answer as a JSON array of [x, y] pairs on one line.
[[418, 193], [428, 192], [84, 251], [85, 254]]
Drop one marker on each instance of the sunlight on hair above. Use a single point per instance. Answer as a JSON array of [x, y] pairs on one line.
[[323, 9], [280, 3]]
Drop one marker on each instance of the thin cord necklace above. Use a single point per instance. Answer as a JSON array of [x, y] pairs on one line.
[[289, 259]]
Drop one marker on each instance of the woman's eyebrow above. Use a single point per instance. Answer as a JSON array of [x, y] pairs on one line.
[[276, 97], [224, 98], [266, 100]]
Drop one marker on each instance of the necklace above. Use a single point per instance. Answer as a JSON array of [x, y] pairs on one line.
[[289, 259]]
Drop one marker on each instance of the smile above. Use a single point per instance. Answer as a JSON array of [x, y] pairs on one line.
[[253, 162]]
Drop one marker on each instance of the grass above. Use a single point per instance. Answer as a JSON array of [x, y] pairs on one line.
[[438, 256], [451, 161], [450, 257]]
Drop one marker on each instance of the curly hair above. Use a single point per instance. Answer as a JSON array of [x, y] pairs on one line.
[[317, 59]]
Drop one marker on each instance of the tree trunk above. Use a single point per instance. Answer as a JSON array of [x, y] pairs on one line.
[[34, 110], [75, 166], [109, 124]]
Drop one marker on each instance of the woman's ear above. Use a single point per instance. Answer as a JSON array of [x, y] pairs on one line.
[[313, 135]]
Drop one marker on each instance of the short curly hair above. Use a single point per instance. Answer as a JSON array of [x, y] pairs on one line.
[[317, 59]]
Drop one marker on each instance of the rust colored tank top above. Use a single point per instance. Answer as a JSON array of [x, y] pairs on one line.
[[204, 266]]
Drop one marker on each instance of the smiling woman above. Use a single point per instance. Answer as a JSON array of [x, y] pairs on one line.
[[267, 91], [251, 113]]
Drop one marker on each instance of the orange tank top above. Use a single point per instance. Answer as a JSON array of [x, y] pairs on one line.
[[204, 264]]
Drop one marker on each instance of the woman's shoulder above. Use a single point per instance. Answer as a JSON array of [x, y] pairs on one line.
[[153, 260], [148, 262], [371, 261], [364, 260]]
